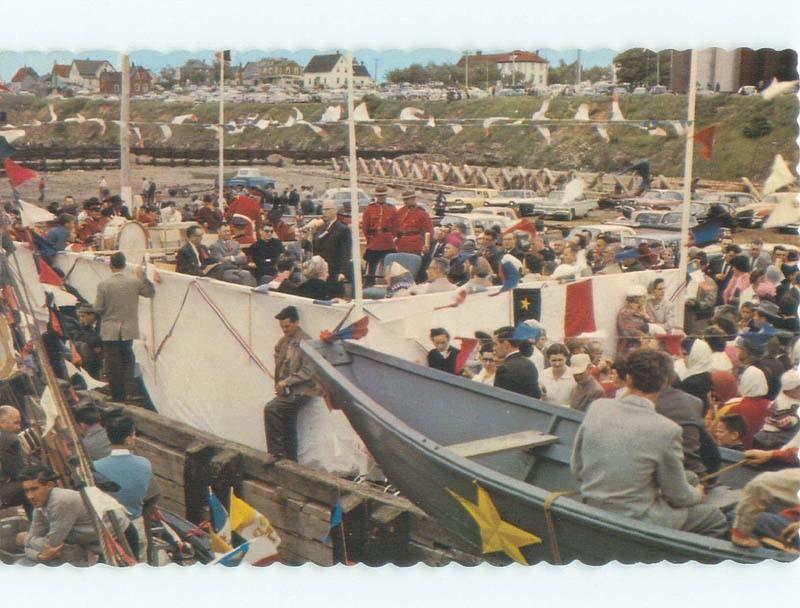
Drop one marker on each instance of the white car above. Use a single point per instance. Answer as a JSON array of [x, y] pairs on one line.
[[471, 221], [342, 198], [554, 206], [495, 211], [596, 229], [511, 198]]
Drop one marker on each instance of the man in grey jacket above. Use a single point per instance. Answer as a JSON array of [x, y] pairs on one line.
[[117, 303], [629, 460]]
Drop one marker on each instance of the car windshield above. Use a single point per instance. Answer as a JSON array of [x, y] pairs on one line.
[[671, 218], [555, 196], [648, 218], [512, 193], [462, 194]]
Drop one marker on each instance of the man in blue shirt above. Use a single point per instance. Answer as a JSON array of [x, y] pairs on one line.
[[131, 473]]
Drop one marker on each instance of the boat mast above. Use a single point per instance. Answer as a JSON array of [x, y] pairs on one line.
[[355, 212], [687, 185]]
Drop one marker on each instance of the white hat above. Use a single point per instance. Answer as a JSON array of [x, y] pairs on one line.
[[636, 291], [579, 364], [396, 269]]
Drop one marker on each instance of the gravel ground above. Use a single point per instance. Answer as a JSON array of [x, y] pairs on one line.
[[83, 184]]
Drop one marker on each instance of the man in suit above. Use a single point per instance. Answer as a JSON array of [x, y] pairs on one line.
[[628, 458], [117, 303], [723, 277], [759, 259], [332, 243], [93, 436], [61, 530], [193, 257], [517, 373]]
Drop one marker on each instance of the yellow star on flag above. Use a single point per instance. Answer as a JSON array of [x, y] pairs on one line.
[[525, 303], [496, 534]]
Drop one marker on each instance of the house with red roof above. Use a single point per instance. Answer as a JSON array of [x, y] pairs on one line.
[[530, 68], [26, 79]]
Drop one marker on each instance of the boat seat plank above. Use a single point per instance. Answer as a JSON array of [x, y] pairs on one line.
[[502, 443], [722, 497]]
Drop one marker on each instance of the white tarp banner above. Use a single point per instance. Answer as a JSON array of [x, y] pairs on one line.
[[197, 368]]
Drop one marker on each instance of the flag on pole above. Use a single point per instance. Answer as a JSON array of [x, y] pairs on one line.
[[509, 272], [17, 174], [459, 297], [48, 275], [220, 532], [54, 323], [705, 137], [354, 331], [256, 552], [464, 353], [6, 149], [525, 225]]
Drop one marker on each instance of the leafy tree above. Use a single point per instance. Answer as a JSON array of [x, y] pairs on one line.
[[756, 127], [480, 74], [638, 66]]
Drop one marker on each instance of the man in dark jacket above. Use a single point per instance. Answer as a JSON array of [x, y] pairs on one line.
[[11, 460], [332, 243], [443, 356], [193, 258], [517, 373]]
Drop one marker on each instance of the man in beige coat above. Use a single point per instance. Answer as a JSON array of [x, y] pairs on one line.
[[117, 304]]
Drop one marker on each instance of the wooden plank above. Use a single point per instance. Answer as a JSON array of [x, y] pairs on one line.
[[291, 517], [309, 550], [178, 508], [167, 462], [502, 443], [170, 490]]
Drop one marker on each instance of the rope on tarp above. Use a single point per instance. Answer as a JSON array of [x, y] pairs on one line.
[[551, 528], [174, 322]]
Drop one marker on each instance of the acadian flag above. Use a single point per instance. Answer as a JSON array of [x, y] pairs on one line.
[[354, 331], [17, 174], [220, 532], [223, 55], [527, 305]]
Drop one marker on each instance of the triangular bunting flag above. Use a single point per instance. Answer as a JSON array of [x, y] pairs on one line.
[[17, 174], [705, 137], [603, 133], [48, 275], [542, 112], [583, 112], [545, 132], [456, 129], [616, 113], [361, 113], [779, 176]]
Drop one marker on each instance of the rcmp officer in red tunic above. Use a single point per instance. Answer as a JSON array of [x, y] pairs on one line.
[[380, 226], [93, 225], [414, 226]]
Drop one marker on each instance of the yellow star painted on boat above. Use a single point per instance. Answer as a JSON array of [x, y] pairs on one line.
[[496, 534], [525, 303]]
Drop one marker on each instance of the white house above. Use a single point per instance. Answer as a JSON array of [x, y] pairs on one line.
[[330, 72], [85, 73], [530, 68], [26, 79]]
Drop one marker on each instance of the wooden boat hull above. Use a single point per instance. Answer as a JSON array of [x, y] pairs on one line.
[[407, 414]]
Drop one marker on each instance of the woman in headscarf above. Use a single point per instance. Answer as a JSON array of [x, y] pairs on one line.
[[697, 381], [399, 281], [315, 286], [753, 405], [766, 288]]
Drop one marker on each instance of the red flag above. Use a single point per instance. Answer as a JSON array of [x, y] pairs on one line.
[[74, 355], [55, 319], [525, 225], [48, 275], [705, 138], [465, 352], [579, 309], [17, 174]]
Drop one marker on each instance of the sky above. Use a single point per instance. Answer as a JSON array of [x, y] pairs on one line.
[[387, 60]]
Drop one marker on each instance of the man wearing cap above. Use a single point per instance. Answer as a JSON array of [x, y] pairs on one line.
[[414, 226], [632, 323], [87, 341], [94, 223], [117, 303], [380, 225], [516, 373], [586, 389], [332, 243], [782, 422]]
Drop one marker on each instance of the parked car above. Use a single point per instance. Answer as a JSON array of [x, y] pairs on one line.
[[556, 207], [249, 178], [597, 229], [657, 219], [342, 198], [496, 211], [472, 220], [743, 205], [511, 198], [466, 199], [653, 199], [654, 239]]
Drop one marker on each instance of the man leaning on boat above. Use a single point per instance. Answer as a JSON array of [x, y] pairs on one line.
[[629, 460], [294, 386]]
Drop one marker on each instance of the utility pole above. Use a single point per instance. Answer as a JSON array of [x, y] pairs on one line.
[[355, 212], [377, 61], [221, 132], [466, 73], [124, 133], [658, 68], [578, 70]]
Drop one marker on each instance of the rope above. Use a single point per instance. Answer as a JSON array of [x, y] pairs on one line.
[[242, 342], [551, 528], [174, 322], [730, 467]]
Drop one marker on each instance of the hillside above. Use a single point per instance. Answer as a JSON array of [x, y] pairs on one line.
[[578, 147]]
